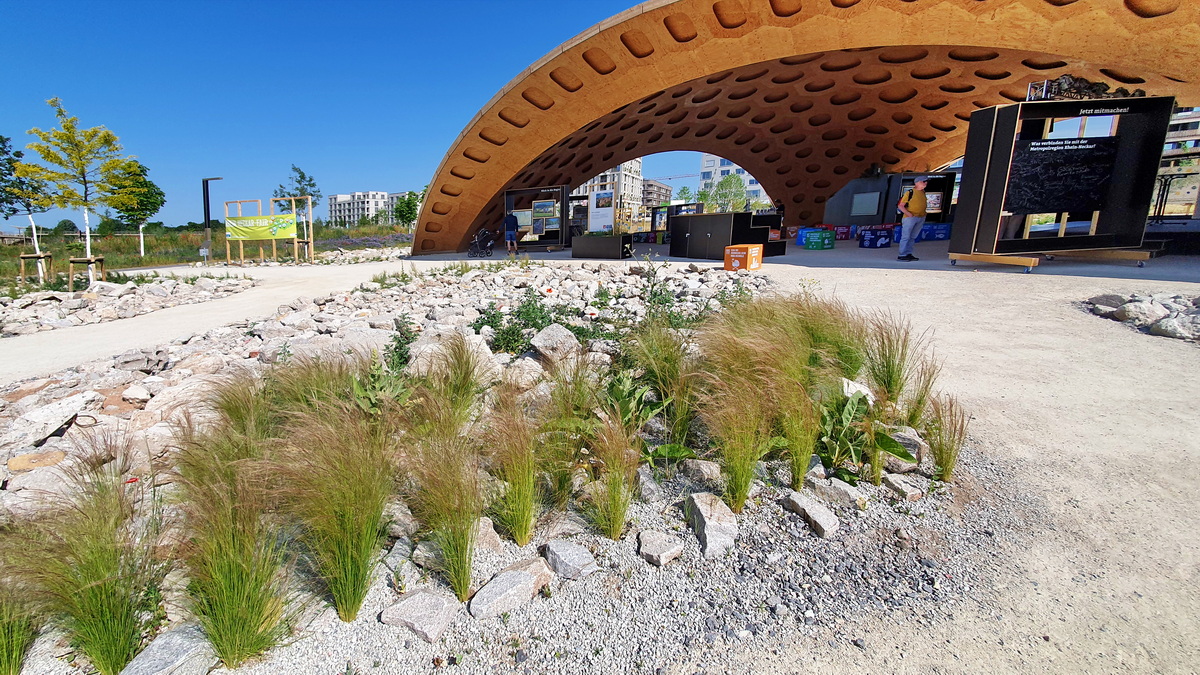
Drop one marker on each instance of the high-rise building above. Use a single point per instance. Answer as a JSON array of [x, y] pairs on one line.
[[714, 168], [624, 180], [1181, 156], [655, 193]]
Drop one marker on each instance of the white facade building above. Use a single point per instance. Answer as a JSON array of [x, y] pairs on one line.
[[347, 210], [624, 180], [714, 168]]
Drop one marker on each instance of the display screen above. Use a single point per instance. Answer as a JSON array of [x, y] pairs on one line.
[[865, 204]]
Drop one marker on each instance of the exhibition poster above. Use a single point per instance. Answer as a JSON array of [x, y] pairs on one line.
[[524, 219], [545, 208], [600, 212]]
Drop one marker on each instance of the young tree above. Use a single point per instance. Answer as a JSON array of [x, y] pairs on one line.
[[685, 193], [407, 209], [82, 165], [705, 197], [18, 196], [147, 199], [730, 193], [299, 185]]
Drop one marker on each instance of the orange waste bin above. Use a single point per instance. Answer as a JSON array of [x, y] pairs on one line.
[[743, 257]]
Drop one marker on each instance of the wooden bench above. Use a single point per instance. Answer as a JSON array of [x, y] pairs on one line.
[[97, 260], [39, 257]]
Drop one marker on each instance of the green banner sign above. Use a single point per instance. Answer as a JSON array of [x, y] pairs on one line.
[[261, 227]]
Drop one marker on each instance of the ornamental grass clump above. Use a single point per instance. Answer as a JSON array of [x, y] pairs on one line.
[[568, 424], [447, 499], [946, 431], [450, 382], [302, 382], [512, 439], [614, 448], [90, 563], [19, 627], [799, 426], [236, 562], [335, 475], [894, 356], [916, 403], [658, 350]]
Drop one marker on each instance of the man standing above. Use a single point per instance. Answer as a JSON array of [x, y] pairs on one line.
[[510, 232], [912, 205]]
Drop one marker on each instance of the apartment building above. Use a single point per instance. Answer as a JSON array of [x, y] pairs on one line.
[[349, 209], [714, 168], [624, 180], [655, 193], [1181, 156]]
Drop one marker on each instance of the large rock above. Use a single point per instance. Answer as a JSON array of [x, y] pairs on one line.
[[1141, 313], [916, 446], [524, 373], [1108, 300], [144, 360], [486, 538], [658, 548], [850, 388], [569, 560], [181, 651], [39, 424], [715, 525], [424, 612], [837, 492], [648, 488], [908, 488], [1186, 327], [817, 515], [429, 352], [555, 343], [401, 522], [702, 471], [509, 589]]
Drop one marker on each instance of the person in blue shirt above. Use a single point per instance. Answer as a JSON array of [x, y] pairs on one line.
[[510, 232]]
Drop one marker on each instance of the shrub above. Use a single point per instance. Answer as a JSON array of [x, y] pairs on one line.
[[335, 476], [512, 438], [946, 431], [840, 442], [91, 562]]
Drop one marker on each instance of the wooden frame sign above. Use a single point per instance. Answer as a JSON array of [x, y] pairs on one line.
[[270, 227]]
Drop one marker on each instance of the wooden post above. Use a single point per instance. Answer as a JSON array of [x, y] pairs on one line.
[[295, 250], [262, 257], [241, 253], [274, 251], [228, 257]]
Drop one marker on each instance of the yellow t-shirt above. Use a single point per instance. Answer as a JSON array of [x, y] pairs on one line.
[[915, 201]]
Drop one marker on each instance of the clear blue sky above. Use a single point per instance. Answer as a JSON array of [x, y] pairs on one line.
[[363, 95]]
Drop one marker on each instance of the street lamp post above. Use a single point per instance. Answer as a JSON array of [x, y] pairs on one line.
[[207, 227]]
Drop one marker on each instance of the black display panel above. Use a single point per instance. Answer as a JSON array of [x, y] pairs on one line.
[[1060, 175]]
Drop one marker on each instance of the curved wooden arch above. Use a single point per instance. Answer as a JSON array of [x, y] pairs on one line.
[[804, 94]]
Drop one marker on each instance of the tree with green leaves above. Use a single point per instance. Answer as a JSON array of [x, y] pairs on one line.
[[704, 196], [66, 226], [147, 200], [299, 185], [18, 195], [685, 194], [81, 165], [729, 194], [407, 208]]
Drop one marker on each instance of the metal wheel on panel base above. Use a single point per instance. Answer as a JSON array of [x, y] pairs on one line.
[[1028, 270], [953, 263], [1141, 263]]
